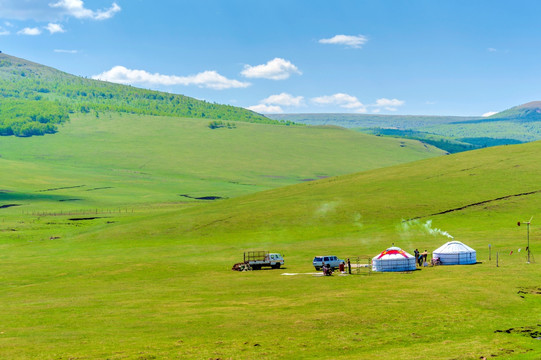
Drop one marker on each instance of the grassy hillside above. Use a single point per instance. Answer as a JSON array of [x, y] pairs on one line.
[[155, 283], [529, 112], [133, 159], [34, 99]]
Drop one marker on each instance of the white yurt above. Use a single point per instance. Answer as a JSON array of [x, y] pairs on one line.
[[393, 259], [455, 253]]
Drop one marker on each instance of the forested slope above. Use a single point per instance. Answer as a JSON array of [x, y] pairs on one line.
[[35, 99]]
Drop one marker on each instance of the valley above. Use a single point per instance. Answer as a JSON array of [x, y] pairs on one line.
[[119, 229]]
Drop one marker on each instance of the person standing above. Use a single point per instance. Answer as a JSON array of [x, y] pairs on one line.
[[349, 266], [425, 257], [416, 252]]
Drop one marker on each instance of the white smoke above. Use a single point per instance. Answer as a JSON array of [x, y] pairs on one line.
[[326, 208], [357, 220], [432, 231], [426, 227]]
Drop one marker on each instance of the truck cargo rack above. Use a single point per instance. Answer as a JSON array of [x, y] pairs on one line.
[[255, 256]]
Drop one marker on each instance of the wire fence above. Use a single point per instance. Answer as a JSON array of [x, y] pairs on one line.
[[80, 212]]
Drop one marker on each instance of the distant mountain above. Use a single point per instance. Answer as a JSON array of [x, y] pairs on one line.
[[450, 133], [401, 122], [35, 98], [526, 112]]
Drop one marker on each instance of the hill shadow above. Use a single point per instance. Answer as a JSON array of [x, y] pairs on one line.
[[15, 198]]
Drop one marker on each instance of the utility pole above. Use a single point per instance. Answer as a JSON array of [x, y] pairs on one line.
[[528, 227]]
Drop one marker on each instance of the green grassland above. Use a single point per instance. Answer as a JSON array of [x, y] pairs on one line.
[[111, 249], [125, 160], [155, 282]]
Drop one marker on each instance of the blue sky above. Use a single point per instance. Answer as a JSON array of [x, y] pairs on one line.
[[387, 57]]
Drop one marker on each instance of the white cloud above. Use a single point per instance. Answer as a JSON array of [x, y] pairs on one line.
[[273, 102], [52, 10], [206, 79], [55, 28], [284, 99], [388, 104], [347, 40], [350, 102], [265, 109], [23, 10], [29, 31], [63, 51], [490, 113], [343, 100], [275, 69], [3, 31], [77, 9]]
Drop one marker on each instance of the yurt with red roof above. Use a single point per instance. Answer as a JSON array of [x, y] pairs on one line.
[[393, 259]]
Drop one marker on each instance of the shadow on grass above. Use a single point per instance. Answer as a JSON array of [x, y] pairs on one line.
[[16, 197]]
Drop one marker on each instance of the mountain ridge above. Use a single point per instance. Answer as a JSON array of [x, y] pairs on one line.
[[34, 98], [530, 111]]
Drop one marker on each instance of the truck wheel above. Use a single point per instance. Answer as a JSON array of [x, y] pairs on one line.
[[276, 266], [318, 268]]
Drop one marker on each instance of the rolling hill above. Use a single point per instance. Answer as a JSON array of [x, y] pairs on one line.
[[352, 121], [35, 99], [528, 112], [118, 233], [160, 277], [453, 134], [131, 143], [149, 159]]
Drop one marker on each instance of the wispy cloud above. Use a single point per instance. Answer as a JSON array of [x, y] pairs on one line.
[[499, 51], [29, 31], [352, 41], [275, 69], [206, 79], [63, 51], [55, 28], [4, 32], [76, 8]]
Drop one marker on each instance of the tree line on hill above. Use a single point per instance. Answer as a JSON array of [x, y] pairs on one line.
[[451, 145], [35, 103], [30, 117]]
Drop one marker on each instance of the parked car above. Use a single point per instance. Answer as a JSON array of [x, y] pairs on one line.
[[327, 259]]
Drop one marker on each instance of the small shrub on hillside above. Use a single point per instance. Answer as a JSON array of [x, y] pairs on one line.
[[220, 124]]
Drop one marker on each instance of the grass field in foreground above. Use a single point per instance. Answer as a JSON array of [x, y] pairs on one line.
[[157, 284]]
